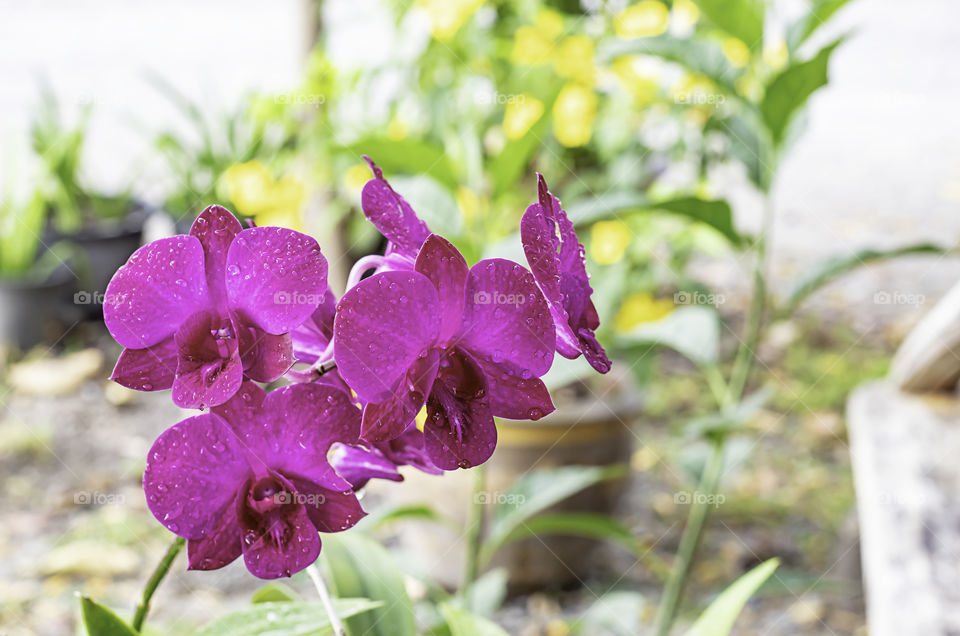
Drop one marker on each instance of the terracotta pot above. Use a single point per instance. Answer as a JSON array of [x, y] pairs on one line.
[[590, 431]]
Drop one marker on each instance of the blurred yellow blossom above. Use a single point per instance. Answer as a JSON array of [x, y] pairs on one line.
[[639, 308], [255, 193], [356, 177], [736, 51], [642, 20], [521, 113], [775, 54], [639, 77], [468, 202], [574, 58], [609, 241], [447, 16], [684, 16], [397, 130], [573, 115], [533, 44]]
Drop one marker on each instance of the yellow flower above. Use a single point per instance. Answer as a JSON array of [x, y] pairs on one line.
[[532, 45], [642, 20], [468, 202], [255, 193], [609, 241], [573, 115], [736, 51], [574, 58], [775, 54], [397, 130], [447, 16], [521, 113], [684, 16], [639, 308], [356, 177], [638, 77]]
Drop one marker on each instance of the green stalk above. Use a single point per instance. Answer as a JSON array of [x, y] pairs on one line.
[[474, 530], [162, 568]]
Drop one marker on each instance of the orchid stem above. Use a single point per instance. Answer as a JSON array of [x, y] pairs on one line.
[[474, 530], [162, 568], [320, 584]]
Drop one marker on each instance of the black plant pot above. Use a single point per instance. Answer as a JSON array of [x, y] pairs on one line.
[[33, 312]]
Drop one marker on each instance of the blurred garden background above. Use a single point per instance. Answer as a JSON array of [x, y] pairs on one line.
[[768, 193]]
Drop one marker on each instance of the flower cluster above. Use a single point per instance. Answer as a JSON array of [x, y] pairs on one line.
[[419, 330]]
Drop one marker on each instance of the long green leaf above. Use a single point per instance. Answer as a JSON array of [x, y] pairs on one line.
[[510, 165], [463, 623], [100, 620], [821, 11], [416, 512], [407, 156], [287, 619], [693, 331], [722, 613], [577, 524], [360, 567], [791, 89], [740, 18], [535, 492], [485, 595], [836, 267]]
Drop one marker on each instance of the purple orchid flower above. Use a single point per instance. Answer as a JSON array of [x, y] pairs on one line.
[[200, 312], [470, 343], [556, 258], [359, 463], [252, 478]]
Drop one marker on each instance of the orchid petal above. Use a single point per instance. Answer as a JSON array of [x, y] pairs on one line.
[[310, 339], [209, 371], [392, 417], [221, 546], [516, 398], [446, 268], [150, 369], [391, 214], [265, 357], [329, 511], [216, 228]]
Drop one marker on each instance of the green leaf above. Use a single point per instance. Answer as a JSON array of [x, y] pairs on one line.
[[692, 331], [613, 614], [358, 566], [698, 55], [791, 89], [535, 492], [731, 420], [832, 268], [433, 203], [99, 620], [416, 512], [722, 613], [715, 213], [740, 18], [749, 145], [511, 164], [485, 596], [463, 623], [820, 13], [577, 524], [289, 619], [407, 156], [275, 593]]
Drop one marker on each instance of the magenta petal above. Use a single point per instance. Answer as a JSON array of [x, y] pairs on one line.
[[280, 544], [150, 369], [310, 339], [459, 431], [391, 214], [391, 418], [446, 268], [275, 278], [265, 357], [384, 324], [243, 407], [160, 286], [209, 370], [329, 510], [194, 470], [221, 546], [358, 465], [516, 398], [506, 320], [215, 228]]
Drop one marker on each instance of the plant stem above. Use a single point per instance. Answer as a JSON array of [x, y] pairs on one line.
[[318, 582], [474, 530], [162, 568], [699, 507]]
